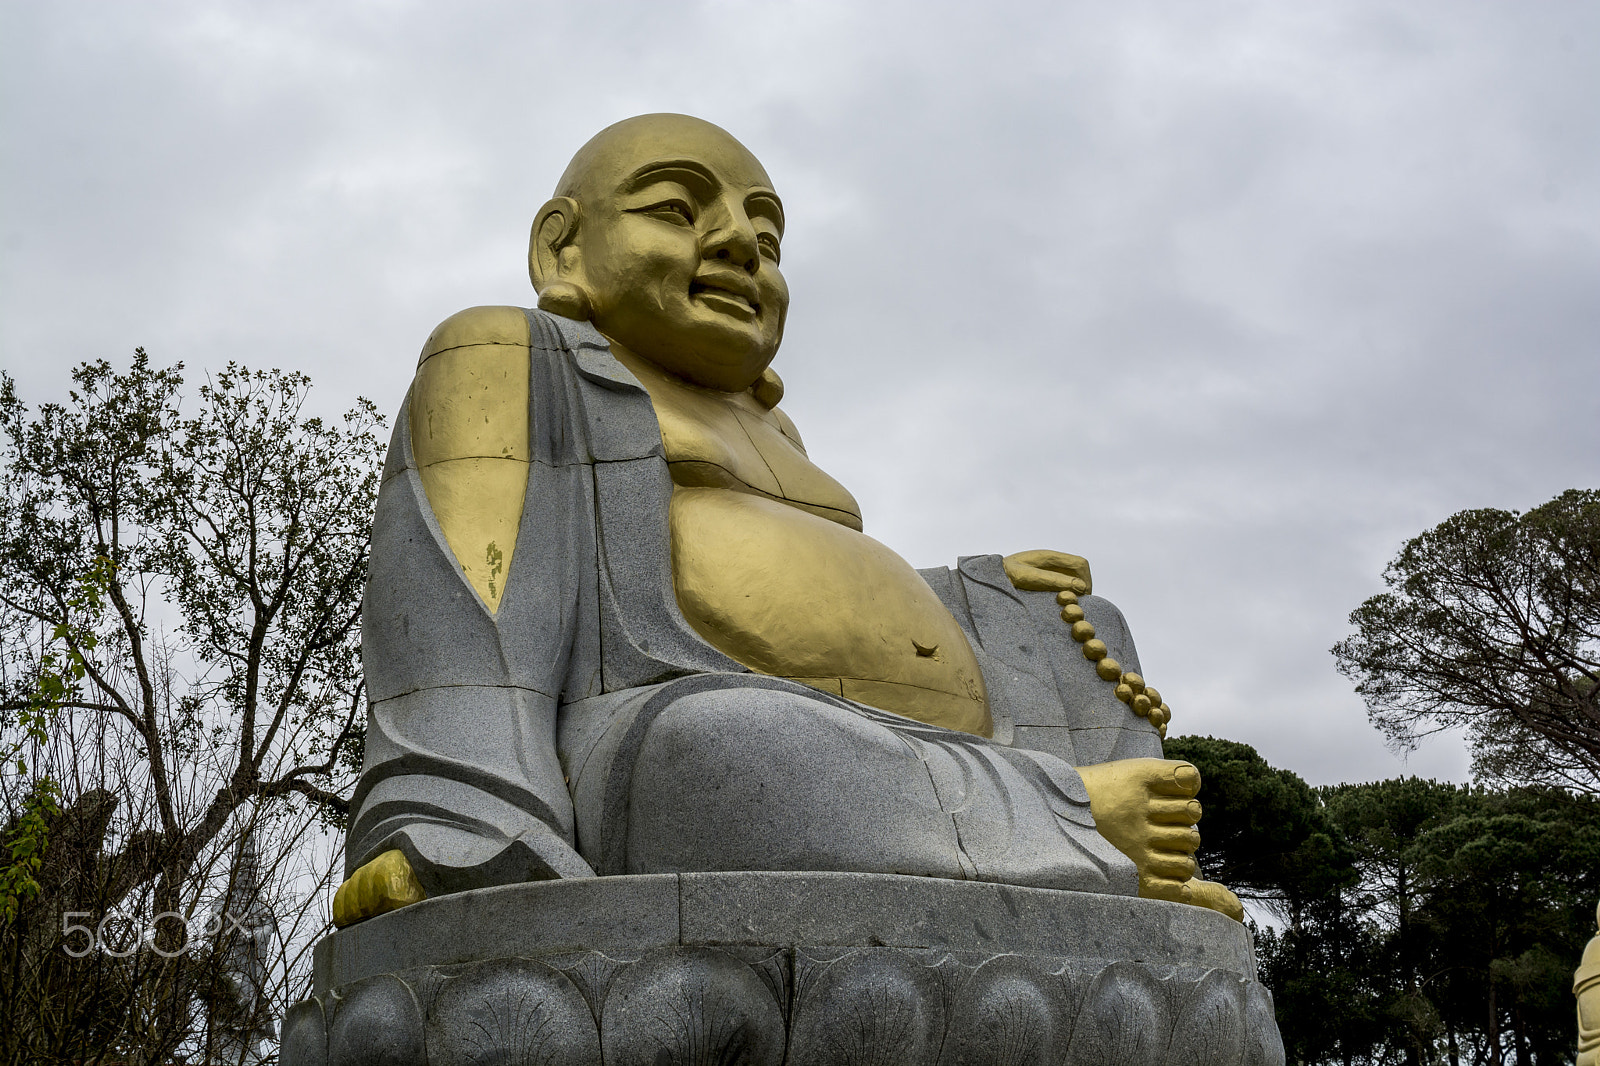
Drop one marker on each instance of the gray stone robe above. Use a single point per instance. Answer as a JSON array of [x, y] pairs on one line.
[[586, 728]]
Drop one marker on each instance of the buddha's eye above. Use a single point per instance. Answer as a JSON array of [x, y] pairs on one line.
[[769, 246], [675, 208]]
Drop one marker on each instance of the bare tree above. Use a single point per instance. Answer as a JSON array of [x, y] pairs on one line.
[[1492, 624]]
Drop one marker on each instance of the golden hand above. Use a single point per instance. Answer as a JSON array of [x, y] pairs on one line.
[[386, 883], [1147, 810], [1042, 570]]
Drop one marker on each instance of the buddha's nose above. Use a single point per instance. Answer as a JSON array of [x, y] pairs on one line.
[[734, 240]]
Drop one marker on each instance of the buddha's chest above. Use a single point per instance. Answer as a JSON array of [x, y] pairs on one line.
[[717, 442]]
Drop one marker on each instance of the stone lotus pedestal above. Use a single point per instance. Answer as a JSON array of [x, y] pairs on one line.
[[800, 968]]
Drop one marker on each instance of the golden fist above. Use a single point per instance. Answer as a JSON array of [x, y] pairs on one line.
[[384, 884]]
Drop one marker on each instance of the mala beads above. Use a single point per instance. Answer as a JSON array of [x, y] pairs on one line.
[[1145, 701]]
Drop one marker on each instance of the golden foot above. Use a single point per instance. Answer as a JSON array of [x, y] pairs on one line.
[[1147, 809]]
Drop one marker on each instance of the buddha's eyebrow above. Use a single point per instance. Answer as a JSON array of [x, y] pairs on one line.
[[765, 201], [702, 182], [686, 171]]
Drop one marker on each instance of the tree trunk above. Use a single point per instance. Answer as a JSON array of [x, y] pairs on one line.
[[1519, 1040], [1492, 1030]]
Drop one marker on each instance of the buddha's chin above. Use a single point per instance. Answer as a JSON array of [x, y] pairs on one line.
[[725, 377], [727, 360]]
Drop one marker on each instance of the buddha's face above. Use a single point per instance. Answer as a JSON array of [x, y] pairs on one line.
[[678, 249]]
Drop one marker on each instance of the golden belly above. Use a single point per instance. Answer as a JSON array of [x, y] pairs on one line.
[[793, 595]]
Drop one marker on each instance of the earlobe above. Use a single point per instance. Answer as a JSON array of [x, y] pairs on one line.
[[567, 300], [557, 276]]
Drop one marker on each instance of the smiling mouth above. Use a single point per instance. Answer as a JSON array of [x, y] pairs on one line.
[[725, 297]]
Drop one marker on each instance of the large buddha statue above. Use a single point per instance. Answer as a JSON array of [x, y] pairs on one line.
[[618, 622]]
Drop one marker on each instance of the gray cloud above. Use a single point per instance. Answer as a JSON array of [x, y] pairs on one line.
[[1231, 298]]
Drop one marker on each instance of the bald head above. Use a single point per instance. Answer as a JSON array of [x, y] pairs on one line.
[[620, 149]]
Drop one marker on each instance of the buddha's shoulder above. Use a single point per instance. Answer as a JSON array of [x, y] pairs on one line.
[[478, 326]]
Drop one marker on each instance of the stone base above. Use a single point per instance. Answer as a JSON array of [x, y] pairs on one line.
[[785, 968]]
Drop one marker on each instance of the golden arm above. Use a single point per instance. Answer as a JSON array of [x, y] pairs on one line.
[[469, 434]]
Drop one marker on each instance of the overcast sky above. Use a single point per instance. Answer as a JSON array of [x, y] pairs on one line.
[[1231, 298]]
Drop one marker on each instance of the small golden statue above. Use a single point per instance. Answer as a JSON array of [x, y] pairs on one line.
[[618, 622], [1586, 986]]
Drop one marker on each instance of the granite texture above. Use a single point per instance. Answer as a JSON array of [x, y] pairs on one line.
[[792, 968], [687, 776]]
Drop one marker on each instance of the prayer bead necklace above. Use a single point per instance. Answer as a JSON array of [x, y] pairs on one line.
[[1144, 700]]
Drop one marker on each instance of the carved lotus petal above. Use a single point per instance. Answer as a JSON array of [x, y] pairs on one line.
[[511, 1012], [691, 1006], [1210, 1026], [1124, 1020], [305, 1035], [877, 1007], [1263, 1045], [1008, 1014], [377, 1023]]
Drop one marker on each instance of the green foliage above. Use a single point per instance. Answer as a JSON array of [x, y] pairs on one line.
[[61, 668], [1474, 903], [24, 847], [1492, 625], [1506, 887], [1327, 986], [1443, 916]]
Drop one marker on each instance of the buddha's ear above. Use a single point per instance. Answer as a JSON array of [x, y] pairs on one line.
[[555, 263]]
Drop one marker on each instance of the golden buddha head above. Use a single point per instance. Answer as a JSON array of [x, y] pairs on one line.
[[664, 232]]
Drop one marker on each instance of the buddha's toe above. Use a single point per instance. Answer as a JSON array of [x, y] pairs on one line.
[[1216, 897]]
